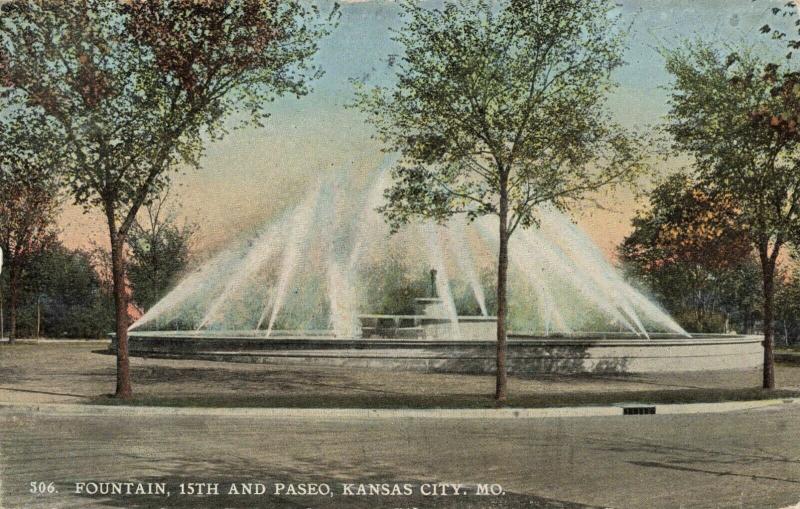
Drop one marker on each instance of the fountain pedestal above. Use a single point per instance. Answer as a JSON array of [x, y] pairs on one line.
[[435, 322], [430, 307]]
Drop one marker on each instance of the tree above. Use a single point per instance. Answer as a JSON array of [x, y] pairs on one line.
[[498, 108], [159, 252], [692, 248], [64, 291], [136, 88], [29, 199], [727, 113], [787, 300]]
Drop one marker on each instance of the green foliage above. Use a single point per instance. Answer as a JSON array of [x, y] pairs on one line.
[[29, 187], [724, 113], [159, 253], [73, 301], [29, 196], [500, 98], [787, 304], [133, 87], [392, 288], [692, 250]]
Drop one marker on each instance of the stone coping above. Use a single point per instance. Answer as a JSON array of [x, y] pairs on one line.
[[513, 340]]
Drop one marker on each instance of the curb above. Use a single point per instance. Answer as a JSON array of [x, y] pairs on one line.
[[357, 413], [48, 341]]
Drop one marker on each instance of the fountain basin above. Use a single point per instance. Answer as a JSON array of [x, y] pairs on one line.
[[527, 354], [427, 327]]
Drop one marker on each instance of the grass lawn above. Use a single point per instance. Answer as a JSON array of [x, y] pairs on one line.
[[75, 373], [788, 355], [450, 401]]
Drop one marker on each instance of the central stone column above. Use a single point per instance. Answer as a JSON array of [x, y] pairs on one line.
[[433, 306]]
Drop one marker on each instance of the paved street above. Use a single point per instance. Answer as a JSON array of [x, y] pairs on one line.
[[741, 459]]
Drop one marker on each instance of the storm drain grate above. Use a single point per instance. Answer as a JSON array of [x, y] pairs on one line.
[[639, 410]]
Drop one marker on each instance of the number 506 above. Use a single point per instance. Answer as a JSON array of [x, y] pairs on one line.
[[42, 488]]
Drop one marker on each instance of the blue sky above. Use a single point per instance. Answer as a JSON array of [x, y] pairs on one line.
[[254, 173]]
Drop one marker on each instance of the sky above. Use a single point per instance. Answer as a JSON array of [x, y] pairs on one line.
[[256, 173]]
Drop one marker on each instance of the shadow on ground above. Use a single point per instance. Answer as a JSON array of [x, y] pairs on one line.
[[444, 401]]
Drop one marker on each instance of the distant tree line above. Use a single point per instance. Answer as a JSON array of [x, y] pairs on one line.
[[68, 293], [60, 295], [690, 250]]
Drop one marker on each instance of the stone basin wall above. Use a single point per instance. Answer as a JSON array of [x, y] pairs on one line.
[[526, 354]]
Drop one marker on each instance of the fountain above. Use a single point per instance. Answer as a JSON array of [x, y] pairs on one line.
[[314, 286]]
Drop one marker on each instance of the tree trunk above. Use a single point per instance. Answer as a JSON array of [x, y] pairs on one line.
[[768, 273], [13, 300], [124, 390], [501, 388]]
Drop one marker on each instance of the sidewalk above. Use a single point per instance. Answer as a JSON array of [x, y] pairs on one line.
[[71, 409]]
